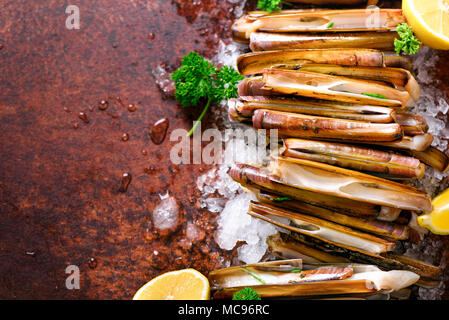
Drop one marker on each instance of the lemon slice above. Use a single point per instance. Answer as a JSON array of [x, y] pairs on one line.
[[186, 284], [438, 220], [429, 20]]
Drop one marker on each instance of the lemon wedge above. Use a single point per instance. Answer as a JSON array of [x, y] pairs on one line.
[[438, 220], [429, 20], [186, 284]]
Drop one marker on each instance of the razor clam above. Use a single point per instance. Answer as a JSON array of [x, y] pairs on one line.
[[290, 249], [240, 25], [319, 21], [305, 289], [257, 178], [354, 157], [264, 41], [244, 108], [337, 88], [397, 61], [345, 279], [413, 124], [419, 142], [305, 126], [256, 62], [381, 228], [253, 275], [354, 185], [388, 214], [433, 158], [386, 261], [321, 229], [399, 78], [253, 86]]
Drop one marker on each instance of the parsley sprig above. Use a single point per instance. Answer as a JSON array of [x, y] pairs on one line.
[[271, 5], [197, 79], [408, 43], [246, 294]]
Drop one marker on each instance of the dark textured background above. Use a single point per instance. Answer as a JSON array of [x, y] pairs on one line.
[[59, 199]]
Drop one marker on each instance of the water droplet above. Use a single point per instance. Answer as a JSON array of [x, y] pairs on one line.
[[76, 125], [125, 137], [83, 117], [66, 109], [93, 263], [131, 107], [124, 183], [159, 130], [103, 105], [30, 253], [149, 170], [151, 36], [144, 152]]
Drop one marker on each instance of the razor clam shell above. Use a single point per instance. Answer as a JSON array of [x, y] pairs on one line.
[[246, 276], [289, 249], [385, 261], [331, 180], [253, 177], [354, 157], [253, 86], [305, 289], [397, 77], [264, 41], [412, 143], [319, 21], [322, 229], [412, 124], [304, 126], [398, 61], [246, 105], [380, 228], [336, 88], [256, 62], [433, 158]]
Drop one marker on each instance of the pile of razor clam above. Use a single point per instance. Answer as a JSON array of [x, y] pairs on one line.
[[340, 184]]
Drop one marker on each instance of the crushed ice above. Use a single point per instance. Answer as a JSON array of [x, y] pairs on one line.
[[166, 213]]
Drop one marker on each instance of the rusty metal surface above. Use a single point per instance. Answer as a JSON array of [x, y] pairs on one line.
[[59, 199], [60, 203]]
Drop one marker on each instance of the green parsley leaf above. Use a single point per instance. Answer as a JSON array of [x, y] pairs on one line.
[[197, 79], [374, 95], [296, 271], [408, 43], [246, 294], [269, 5], [280, 199], [330, 25], [253, 275]]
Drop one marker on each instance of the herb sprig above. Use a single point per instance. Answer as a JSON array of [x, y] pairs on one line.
[[254, 275], [280, 199], [408, 43], [271, 5], [198, 79], [374, 95], [246, 294]]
